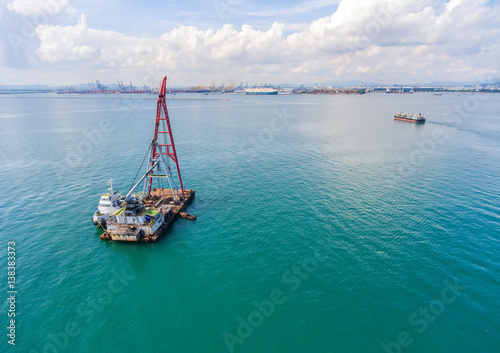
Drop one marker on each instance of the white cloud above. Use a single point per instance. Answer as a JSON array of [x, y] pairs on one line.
[[32, 8], [71, 43], [396, 40]]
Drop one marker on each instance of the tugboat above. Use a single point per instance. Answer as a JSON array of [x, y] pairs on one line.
[[417, 118], [108, 203]]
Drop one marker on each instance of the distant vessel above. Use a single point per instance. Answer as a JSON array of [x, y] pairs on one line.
[[417, 118], [108, 203], [261, 90], [399, 90]]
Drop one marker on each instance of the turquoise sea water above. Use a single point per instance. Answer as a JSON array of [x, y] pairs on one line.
[[323, 225]]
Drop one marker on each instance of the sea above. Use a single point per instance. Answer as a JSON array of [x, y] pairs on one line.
[[323, 225]]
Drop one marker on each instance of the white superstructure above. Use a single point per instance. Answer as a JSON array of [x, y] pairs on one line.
[[261, 90], [108, 203]]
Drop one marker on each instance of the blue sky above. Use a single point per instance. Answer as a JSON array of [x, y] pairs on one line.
[[156, 17], [64, 42]]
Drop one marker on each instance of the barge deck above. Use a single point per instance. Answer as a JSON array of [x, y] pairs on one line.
[[155, 201]]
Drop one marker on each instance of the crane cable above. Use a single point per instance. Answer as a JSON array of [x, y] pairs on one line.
[[138, 171]]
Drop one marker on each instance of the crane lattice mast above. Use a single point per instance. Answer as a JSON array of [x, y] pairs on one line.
[[163, 145]]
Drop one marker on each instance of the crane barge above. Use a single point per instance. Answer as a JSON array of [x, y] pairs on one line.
[[144, 216]]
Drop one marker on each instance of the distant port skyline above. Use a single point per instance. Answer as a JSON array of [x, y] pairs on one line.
[[119, 87]]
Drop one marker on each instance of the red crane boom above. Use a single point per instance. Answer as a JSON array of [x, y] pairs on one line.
[[163, 130]]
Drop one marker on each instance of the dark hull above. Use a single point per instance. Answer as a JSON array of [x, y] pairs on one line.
[[410, 120]]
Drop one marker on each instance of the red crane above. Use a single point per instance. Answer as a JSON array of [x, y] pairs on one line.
[[163, 141]]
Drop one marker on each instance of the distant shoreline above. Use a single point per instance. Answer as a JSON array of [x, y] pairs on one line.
[[314, 91]]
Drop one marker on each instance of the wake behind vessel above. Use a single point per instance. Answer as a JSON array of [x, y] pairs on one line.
[[417, 118], [144, 216]]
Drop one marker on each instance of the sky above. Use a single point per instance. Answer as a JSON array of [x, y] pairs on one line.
[[67, 42]]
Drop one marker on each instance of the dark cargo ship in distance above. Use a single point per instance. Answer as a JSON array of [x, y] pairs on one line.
[[417, 118]]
